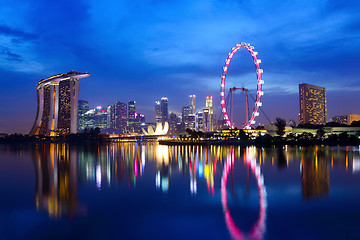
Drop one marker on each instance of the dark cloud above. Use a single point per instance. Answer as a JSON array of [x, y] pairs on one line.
[[18, 34], [10, 55]]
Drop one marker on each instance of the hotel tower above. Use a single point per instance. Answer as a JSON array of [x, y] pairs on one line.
[[57, 100], [312, 101]]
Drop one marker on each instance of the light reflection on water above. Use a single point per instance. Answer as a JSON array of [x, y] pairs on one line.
[[61, 169]]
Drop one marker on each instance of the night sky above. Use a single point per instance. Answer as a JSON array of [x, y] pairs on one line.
[[144, 50]]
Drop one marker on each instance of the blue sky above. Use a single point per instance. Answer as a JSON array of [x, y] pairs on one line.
[[143, 50]]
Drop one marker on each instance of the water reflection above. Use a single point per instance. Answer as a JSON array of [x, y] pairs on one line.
[[62, 168], [315, 179], [56, 180], [258, 229]]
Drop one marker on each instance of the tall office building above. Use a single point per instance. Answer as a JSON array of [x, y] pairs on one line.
[[57, 104], [131, 116], [312, 101], [164, 110], [158, 113], [192, 103], [211, 117], [120, 116], [139, 122], [188, 119], [161, 110], [199, 121], [101, 118], [111, 116], [117, 116], [83, 107], [173, 120], [206, 120]]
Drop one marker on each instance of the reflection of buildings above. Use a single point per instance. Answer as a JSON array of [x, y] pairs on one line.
[[57, 104], [315, 178], [111, 164], [56, 180]]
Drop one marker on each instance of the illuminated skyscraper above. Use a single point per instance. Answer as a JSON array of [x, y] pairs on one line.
[[161, 110], [120, 116], [158, 117], [192, 103], [210, 118], [188, 119], [101, 118], [139, 122], [57, 104], [131, 116], [206, 120], [173, 123], [312, 104], [199, 126], [83, 107], [164, 110]]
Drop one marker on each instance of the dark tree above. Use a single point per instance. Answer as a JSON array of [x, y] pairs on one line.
[[280, 124], [320, 133], [355, 124]]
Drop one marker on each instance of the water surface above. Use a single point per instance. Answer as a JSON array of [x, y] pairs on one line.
[[148, 191]]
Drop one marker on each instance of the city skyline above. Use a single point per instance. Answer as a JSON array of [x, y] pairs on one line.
[[180, 47]]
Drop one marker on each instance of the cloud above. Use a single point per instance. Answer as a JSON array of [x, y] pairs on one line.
[[16, 33], [10, 55]]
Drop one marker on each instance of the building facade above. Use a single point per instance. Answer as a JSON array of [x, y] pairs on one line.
[[352, 117], [57, 108], [158, 117], [164, 110], [192, 103], [312, 101], [131, 116], [83, 107], [210, 118]]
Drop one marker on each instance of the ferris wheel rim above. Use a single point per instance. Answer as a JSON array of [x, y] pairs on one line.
[[259, 91]]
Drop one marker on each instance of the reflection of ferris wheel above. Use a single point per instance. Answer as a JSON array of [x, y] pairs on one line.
[[259, 91], [258, 229]]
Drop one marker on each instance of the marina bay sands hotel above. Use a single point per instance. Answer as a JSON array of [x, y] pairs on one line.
[[57, 100]]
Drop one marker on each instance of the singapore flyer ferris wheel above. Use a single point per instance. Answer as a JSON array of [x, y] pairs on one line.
[[259, 92]]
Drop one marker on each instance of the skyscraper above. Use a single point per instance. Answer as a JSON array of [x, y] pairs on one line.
[[173, 120], [312, 101], [192, 103], [83, 107], [210, 118], [139, 122], [131, 116], [206, 121], [120, 116], [57, 104], [199, 121], [101, 118], [188, 119], [158, 113], [164, 110]]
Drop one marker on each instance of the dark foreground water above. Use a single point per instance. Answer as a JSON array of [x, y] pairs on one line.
[[147, 191]]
